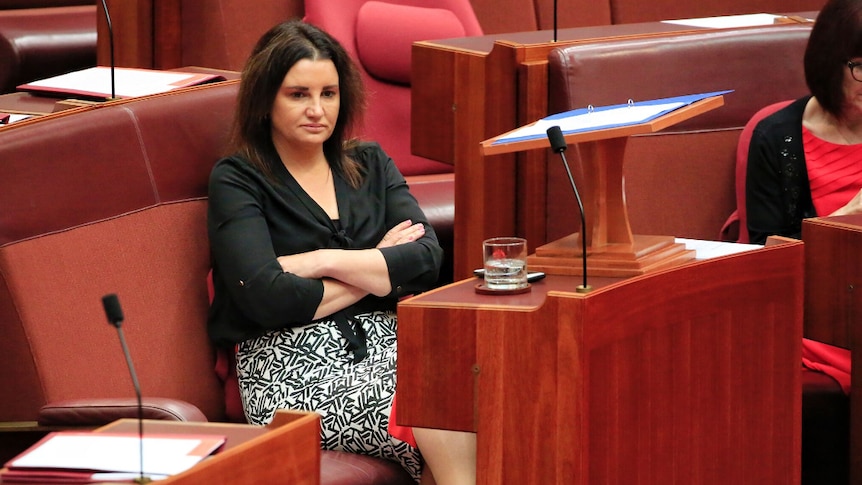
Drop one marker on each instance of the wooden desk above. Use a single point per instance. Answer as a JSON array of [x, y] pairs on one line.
[[42, 105], [833, 275], [26, 103], [286, 451], [688, 375], [471, 89], [833, 303]]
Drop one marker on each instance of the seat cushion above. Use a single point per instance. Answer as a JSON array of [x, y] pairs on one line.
[[384, 45], [340, 468]]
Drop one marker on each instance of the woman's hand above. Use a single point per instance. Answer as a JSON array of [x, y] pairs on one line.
[[364, 269], [402, 233], [852, 207]]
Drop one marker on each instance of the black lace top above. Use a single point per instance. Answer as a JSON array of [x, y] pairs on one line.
[[777, 194]]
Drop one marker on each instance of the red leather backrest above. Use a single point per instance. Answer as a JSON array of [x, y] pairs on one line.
[[387, 119], [110, 200]]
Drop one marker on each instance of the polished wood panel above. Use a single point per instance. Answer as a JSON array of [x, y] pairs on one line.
[[688, 375], [833, 273], [147, 34], [167, 34], [833, 303], [286, 451], [133, 25]]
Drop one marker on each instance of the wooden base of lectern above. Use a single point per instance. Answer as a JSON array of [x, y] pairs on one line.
[[645, 254]]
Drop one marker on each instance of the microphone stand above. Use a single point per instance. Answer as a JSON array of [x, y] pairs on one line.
[[111, 43], [555, 20], [115, 316], [141, 478], [558, 145]]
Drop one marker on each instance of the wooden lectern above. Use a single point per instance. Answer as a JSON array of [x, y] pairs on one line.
[[612, 249], [684, 375]]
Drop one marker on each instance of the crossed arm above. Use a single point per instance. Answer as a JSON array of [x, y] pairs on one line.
[[349, 275]]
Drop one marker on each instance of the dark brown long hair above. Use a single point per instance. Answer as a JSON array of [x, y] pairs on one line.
[[835, 38], [274, 55]]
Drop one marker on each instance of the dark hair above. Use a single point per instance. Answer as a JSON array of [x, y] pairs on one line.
[[835, 38], [274, 55]]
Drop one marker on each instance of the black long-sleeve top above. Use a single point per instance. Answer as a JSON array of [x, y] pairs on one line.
[[252, 221], [777, 193]]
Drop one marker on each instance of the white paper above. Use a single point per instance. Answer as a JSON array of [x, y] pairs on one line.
[[128, 82], [123, 477], [13, 118], [728, 21], [112, 453], [712, 249], [624, 115]]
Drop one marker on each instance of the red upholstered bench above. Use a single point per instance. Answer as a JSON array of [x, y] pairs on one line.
[[113, 200], [43, 38]]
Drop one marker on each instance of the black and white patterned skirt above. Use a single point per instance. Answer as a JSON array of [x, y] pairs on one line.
[[308, 368]]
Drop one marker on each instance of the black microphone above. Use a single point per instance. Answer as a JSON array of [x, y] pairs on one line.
[[559, 145], [113, 66], [115, 317]]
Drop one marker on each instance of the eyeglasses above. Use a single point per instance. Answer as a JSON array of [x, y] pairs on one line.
[[855, 70]]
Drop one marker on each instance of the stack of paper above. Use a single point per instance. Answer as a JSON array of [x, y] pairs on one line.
[[95, 82], [85, 457]]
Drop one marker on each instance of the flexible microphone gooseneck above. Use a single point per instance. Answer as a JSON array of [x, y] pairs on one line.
[[559, 145], [115, 317], [555, 20], [113, 66]]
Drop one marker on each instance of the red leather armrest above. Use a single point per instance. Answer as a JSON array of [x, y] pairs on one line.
[[98, 412]]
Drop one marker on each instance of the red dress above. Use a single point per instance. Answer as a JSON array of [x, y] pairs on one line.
[[835, 177]]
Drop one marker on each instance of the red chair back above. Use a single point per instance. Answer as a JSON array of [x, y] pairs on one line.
[[736, 227], [379, 36]]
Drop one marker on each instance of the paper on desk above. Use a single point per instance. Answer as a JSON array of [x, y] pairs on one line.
[[109, 452], [712, 249], [728, 21], [128, 82]]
